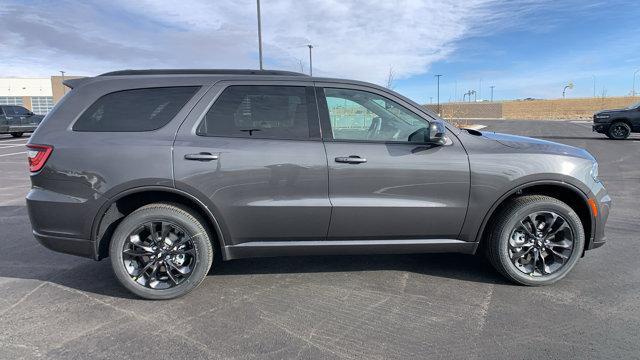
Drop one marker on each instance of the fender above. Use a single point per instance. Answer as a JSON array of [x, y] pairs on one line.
[[494, 206], [140, 189]]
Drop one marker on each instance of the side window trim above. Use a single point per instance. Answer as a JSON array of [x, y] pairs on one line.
[[315, 131], [325, 120]]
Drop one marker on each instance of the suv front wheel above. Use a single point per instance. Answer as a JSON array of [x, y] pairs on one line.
[[161, 251], [619, 131], [536, 240]]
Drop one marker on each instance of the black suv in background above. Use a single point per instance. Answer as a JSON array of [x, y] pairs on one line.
[[160, 169], [618, 124], [16, 120]]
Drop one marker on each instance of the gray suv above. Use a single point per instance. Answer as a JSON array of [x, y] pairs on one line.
[[160, 170]]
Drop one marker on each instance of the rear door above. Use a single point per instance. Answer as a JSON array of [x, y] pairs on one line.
[[381, 185], [251, 150]]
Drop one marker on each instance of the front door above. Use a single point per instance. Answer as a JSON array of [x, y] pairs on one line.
[[381, 184], [252, 151]]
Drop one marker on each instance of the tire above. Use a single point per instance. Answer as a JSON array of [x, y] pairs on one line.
[[507, 227], [198, 253], [16, 134], [619, 131]]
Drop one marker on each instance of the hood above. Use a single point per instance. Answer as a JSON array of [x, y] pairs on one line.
[[527, 144], [610, 111]]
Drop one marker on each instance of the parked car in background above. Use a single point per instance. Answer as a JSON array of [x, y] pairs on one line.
[[618, 124], [17, 120], [160, 169]]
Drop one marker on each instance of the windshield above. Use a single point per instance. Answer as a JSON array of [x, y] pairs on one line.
[[633, 106]]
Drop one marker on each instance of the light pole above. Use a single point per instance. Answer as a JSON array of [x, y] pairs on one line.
[[568, 86], [259, 33], [633, 91], [310, 60], [594, 85], [438, 96], [64, 89], [492, 86], [480, 88]]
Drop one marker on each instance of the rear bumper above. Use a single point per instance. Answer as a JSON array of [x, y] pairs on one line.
[[58, 220], [67, 245]]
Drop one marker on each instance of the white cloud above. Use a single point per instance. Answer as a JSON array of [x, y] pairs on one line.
[[354, 39]]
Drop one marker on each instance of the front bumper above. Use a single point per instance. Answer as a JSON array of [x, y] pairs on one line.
[[603, 201], [600, 127]]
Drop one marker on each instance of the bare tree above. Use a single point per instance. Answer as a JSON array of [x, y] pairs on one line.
[[391, 77], [301, 64]]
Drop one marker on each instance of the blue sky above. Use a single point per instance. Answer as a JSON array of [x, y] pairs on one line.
[[549, 47], [524, 48]]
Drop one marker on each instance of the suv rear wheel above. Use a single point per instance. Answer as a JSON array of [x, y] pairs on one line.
[[536, 240], [161, 251], [17, 134], [619, 131]]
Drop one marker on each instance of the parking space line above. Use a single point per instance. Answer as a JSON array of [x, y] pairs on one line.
[[10, 146], [21, 152]]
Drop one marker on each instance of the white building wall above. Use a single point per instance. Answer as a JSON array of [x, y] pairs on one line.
[[25, 87]]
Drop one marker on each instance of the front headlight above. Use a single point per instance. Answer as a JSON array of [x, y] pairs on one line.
[[594, 171]]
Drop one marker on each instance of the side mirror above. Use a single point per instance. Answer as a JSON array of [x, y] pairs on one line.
[[30, 113], [434, 134]]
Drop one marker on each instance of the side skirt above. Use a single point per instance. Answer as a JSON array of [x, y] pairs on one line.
[[347, 247]]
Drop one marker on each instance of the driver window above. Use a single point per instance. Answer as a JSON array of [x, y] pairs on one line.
[[361, 115]]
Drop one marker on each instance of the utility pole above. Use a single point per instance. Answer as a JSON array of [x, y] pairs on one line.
[[310, 60], [594, 85], [480, 88], [259, 34], [64, 88], [492, 86], [438, 96], [633, 91]]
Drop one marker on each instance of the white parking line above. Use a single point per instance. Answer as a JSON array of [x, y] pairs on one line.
[[10, 146], [22, 152]]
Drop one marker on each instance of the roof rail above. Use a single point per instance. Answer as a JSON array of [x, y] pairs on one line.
[[201, 72]]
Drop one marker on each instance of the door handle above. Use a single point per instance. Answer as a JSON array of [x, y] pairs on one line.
[[352, 159], [203, 156]]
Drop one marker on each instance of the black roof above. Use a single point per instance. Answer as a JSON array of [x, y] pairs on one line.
[[201, 72]]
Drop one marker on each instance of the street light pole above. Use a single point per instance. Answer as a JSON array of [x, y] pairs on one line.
[[594, 85], [310, 60], [259, 33], [633, 91], [438, 96], [492, 86]]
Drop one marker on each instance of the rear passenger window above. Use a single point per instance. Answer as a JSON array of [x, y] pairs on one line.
[[259, 111], [135, 110]]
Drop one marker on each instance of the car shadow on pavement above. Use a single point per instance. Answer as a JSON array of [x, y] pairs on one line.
[[454, 266], [73, 273]]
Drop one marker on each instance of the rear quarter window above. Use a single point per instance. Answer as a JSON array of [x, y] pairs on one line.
[[135, 110]]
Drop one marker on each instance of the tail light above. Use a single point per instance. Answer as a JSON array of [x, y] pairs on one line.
[[38, 155]]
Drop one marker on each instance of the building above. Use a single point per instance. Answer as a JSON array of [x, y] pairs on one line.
[[36, 94]]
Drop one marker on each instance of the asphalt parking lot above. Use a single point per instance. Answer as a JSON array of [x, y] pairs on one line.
[[370, 307]]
